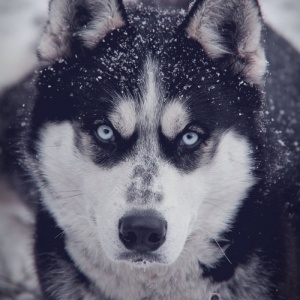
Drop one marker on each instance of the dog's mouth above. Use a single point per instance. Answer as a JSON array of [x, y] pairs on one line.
[[141, 260]]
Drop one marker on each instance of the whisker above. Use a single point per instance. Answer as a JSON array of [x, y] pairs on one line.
[[59, 235], [71, 191], [214, 204], [211, 236], [72, 196]]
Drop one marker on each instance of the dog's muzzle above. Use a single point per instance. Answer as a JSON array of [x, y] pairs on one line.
[[142, 231]]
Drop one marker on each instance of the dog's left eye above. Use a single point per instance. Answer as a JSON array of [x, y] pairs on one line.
[[189, 139], [105, 133]]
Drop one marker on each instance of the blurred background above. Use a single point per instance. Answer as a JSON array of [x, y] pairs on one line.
[[21, 22]]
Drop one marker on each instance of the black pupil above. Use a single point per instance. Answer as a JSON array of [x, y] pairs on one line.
[[106, 131]]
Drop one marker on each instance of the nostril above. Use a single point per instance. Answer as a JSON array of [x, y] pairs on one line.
[[128, 237], [154, 238]]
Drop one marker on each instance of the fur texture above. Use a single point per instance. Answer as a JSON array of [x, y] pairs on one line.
[[232, 30], [83, 20]]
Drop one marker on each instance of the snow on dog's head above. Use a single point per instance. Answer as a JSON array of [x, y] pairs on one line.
[[142, 140]]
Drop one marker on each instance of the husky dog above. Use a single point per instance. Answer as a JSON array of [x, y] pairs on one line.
[[162, 168]]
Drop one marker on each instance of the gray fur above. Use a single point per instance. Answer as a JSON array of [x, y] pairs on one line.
[[141, 189], [212, 24], [62, 26]]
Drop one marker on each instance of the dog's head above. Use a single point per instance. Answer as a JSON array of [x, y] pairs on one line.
[[143, 125]]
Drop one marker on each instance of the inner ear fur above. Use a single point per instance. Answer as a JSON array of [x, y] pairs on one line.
[[84, 21], [230, 30]]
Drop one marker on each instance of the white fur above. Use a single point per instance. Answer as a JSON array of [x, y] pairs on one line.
[[204, 27], [59, 32], [150, 105], [174, 119], [124, 117]]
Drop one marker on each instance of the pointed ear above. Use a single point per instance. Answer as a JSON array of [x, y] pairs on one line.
[[230, 30], [85, 21]]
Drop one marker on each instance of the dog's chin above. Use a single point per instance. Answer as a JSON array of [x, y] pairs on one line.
[[141, 260]]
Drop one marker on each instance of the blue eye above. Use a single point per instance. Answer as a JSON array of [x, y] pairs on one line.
[[189, 139], [105, 133]]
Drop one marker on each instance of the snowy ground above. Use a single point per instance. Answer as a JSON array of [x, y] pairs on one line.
[[21, 22]]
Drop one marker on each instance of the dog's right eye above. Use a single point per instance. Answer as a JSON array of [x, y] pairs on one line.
[[105, 133], [189, 139]]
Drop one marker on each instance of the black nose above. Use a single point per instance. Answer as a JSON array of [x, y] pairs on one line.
[[142, 231]]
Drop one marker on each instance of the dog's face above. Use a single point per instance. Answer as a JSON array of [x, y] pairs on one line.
[[139, 146]]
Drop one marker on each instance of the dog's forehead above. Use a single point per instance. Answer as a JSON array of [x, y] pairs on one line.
[[152, 111]]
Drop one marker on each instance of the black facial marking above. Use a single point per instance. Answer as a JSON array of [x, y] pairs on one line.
[[150, 168], [146, 179], [131, 193], [158, 197], [140, 195], [138, 171], [141, 187], [145, 174], [146, 196]]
